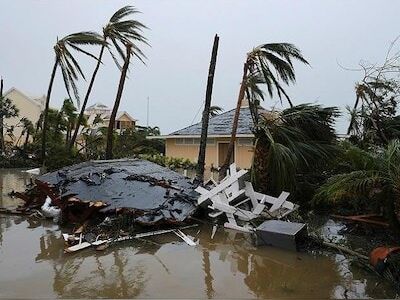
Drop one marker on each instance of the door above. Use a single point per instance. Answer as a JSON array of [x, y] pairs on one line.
[[222, 151]]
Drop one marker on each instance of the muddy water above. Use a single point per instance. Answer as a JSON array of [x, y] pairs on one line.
[[33, 265]]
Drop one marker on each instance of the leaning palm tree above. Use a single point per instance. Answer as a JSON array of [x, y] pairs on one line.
[[273, 64], [117, 30], [70, 69]]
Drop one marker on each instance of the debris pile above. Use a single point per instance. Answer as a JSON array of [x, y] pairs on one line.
[[242, 204], [148, 193]]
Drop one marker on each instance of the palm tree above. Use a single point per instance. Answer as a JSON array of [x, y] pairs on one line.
[[291, 142], [272, 63], [70, 69], [373, 175], [116, 30], [110, 130]]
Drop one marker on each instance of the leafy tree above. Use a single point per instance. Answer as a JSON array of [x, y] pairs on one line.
[[118, 30], [273, 65], [70, 69]]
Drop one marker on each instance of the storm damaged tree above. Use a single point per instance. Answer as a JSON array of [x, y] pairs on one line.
[[273, 64], [373, 117], [70, 70], [117, 29], [206, 112]]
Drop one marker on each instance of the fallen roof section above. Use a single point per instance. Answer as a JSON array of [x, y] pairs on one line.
[[148, 192]]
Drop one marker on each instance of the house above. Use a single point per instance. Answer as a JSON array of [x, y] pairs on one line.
[[122, 121], [185, 142], [28, 107]]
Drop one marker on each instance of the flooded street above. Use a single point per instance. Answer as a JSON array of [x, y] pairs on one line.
[[33, 265]]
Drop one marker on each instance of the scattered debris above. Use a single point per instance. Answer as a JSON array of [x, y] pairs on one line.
[[370, 218]]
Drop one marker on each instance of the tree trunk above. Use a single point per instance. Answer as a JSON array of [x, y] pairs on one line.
[[352, 119], [225, 166], [109, 148], [206, 112], [46, 110], [1, 118], [89, 90]]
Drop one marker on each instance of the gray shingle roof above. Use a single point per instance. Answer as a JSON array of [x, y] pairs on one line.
[[222, 124]]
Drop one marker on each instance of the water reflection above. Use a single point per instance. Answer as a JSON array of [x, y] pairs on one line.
[[228, 266]]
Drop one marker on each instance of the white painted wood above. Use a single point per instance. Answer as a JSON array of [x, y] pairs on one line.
[[185, 238]]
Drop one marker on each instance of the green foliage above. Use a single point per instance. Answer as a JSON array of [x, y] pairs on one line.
[[69, 66], [271, 63], [169, 162], [371, 178], [292, 145], [121, 31]]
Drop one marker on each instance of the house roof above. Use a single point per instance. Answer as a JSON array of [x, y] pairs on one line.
[[36, 101], [98, 106], [221, 125]]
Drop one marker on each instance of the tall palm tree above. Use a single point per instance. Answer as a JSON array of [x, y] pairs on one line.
[[70, 69], [273, 64], [116, 30]]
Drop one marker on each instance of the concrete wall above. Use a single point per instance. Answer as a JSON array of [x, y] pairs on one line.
[[243, 152], [27, 107]]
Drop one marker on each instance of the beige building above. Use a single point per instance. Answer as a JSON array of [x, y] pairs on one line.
[[29, 107], [185, 143], [122, 121]]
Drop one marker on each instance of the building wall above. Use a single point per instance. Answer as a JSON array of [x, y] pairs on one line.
[[27, 108], [243, 151]]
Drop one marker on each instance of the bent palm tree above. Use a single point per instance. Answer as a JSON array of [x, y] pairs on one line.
[[272, 63], [117, 29], [70, 69]]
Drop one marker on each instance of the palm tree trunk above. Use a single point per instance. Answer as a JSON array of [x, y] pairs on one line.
[[89, 90], [206, 112], [225, 166], [46, 110], [1, 117], [109, 147]]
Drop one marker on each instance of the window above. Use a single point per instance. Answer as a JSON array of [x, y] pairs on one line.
[[179, 141], [245, 142]]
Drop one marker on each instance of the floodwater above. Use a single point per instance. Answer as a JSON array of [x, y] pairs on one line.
[[33, 265]]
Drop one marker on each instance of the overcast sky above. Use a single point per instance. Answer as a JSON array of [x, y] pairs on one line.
[[181, 35]]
